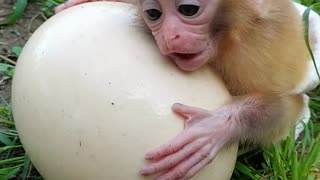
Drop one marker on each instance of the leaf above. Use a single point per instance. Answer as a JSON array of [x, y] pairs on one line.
[[26, 167], [7, 69], [6, 148], [9, 172], [4, 67], [306, 15], [295, 166], [17, 13], [4, 112], [11, 161], [17, 50], [5, 140], [245, 170]]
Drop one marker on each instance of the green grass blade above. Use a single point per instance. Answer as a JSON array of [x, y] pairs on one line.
[[294, 167], [17, 13], [6, 148], [7, 123], [10, 172], [314, 105], [4, 111], [245, 170], [9, 133], [287, 147], [306, 15], [312, 158], [15, 160], [278, 163], [26, 167], [5, 140], [16, 50], [5, 67]]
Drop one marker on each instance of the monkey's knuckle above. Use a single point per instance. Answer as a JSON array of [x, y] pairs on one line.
[[157, 154], [166, 177], [189, 175], [171, 148], [196, 132], [154, 169], [172, 162], [201, 142], [204, 155], [212, 141], [204, 162], [180, 172]]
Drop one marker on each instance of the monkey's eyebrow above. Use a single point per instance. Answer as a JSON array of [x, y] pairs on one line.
[[141, 1]]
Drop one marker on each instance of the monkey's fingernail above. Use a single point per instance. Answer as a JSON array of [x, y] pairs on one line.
[[149, 156], [145, 171]]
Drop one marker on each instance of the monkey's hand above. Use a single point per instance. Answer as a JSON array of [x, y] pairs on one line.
[[71, 3], [205, 133]]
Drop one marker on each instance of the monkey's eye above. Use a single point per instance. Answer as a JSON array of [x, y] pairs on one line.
[[152, 10], [188, 9], [153, 14]]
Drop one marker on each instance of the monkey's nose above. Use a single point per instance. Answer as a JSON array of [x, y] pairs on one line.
[[172, 41], [173, 37]]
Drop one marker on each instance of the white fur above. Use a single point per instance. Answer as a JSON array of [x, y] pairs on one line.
[[304, 116], [311, 80]]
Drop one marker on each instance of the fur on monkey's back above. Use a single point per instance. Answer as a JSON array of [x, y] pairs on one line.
[[264, 51]]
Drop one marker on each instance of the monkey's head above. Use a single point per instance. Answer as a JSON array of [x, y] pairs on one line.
[[188, 31]]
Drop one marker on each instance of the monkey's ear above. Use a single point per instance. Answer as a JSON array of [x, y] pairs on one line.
[[261, 6]]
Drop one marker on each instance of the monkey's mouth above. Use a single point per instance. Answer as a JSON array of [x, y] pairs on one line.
[[189, 61], [184, 56]]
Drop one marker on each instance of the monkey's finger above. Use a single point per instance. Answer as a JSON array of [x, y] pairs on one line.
[[205, 161], [174, 159], [68, 4], [184, 167], [188, 112], [176, 144]]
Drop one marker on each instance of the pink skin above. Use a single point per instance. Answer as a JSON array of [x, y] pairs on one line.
[[71, 3], [185, 40], [205, 133]]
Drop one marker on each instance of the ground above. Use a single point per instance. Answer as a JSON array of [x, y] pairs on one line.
[[16, 35], [12, 36]]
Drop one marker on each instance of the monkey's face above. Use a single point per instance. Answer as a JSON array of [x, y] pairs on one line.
[[182, 29]]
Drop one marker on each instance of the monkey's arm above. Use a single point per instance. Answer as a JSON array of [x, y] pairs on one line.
[[255, 118], [268, 119], [71, 3]]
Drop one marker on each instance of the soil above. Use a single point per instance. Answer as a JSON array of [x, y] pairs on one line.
[[16, 35]]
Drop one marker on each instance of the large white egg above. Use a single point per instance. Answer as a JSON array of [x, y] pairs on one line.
[[92, 94]]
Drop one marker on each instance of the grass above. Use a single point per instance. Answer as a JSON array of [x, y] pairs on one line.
[[13, 161], [290, 160]]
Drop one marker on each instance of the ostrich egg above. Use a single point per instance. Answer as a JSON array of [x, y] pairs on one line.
[[92, 94]]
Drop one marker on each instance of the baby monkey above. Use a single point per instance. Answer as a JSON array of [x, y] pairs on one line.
[[258, 49]]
